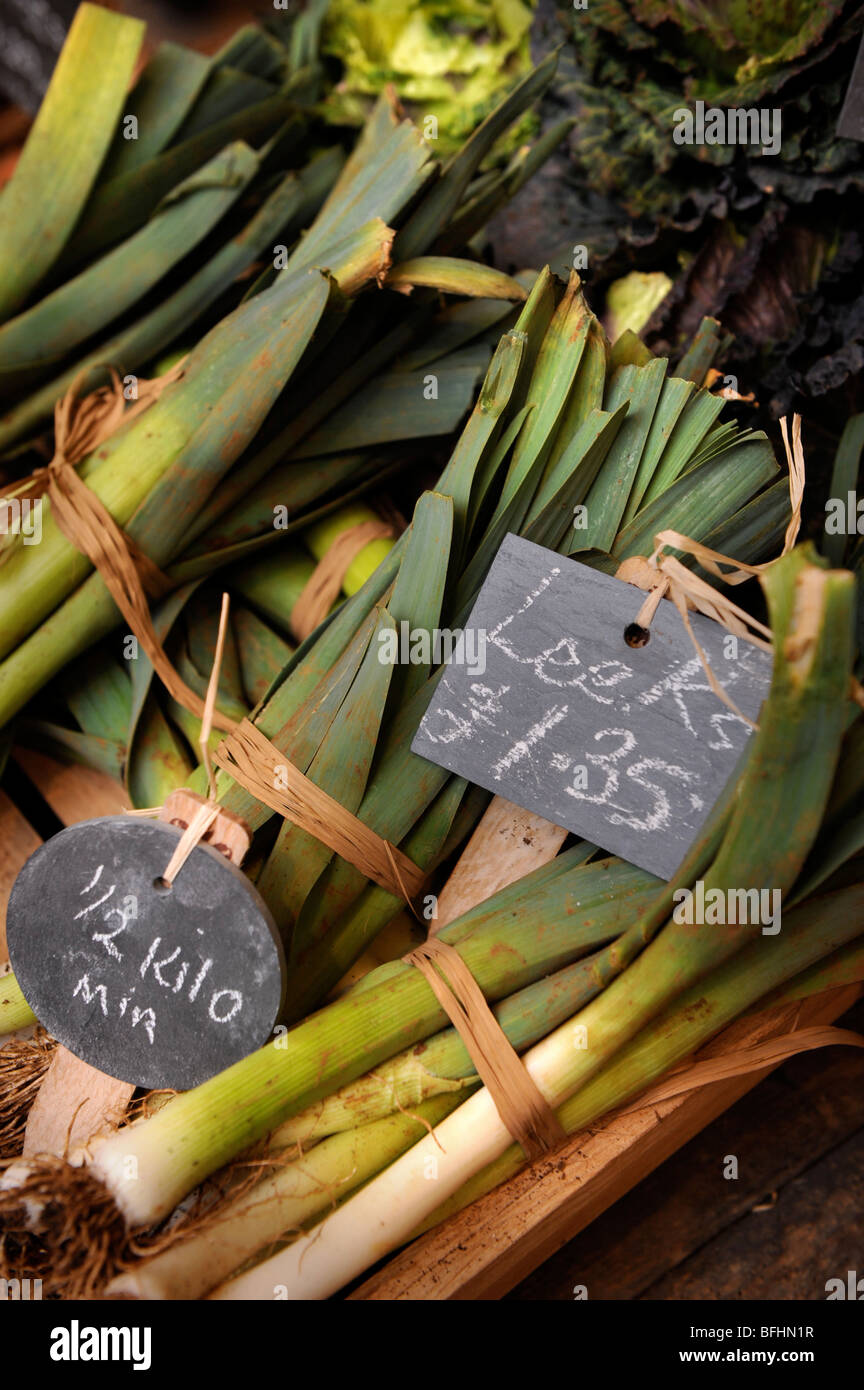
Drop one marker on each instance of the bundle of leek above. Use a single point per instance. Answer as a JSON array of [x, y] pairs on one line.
[[258, 389], [539, 440], [561, 420], [667, 989]]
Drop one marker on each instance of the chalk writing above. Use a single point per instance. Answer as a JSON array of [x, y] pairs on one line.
[[637, 749], [155, 985]]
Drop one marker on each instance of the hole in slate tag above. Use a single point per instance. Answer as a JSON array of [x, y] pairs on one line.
[[161, 885], [637, 636]]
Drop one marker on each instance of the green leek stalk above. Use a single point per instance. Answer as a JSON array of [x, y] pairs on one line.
[[812, 931], [192, 417], [66, 146], [155, 762], [129, 465], [287, 208], [389, 166], [202, 1129], [15, 1012], [274, 582], [350, 1242], [541, 401], [442, 1064], [98, 695], [263, 653], [35, 340], [780, 800], [161, 765], [320, 537]]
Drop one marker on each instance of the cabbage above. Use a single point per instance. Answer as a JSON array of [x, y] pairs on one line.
[[449, 59]]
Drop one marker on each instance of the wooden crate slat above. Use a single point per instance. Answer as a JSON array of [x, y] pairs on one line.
[[73, 792], [507, 844], [19, 840], [74, 1102]]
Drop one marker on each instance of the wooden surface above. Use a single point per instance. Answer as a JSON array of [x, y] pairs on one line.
[[483, 1252], [74, 1102], [507, 844], [74, 793], [19, 840]]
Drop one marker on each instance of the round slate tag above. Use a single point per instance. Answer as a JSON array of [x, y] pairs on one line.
[[160, 986]]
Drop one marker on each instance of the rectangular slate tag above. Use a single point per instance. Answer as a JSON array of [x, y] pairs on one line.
[[628, 747]]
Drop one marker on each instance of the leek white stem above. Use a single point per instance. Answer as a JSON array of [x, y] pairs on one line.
[[285, 1200], [383, 1214], [388, 1210]]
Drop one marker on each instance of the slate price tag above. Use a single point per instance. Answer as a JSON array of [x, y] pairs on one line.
[[158, 986], [627, 746]]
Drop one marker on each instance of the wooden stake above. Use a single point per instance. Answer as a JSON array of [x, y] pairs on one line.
[[507, 844], [75, 1101]]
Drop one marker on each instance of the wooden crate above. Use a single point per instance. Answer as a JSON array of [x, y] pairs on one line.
[[486, 1250]]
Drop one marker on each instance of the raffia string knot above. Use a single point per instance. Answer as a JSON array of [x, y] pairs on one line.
[[258, 766], [253, 761], [82, 424], [202, 818], [664, 576]]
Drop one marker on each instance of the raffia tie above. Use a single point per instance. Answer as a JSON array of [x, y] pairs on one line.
[[743, 1061], [259, 767], [520, 1103], [195, 830], [195, 815], [664, 576], [253, 761], [81, 425], [324, 583]]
